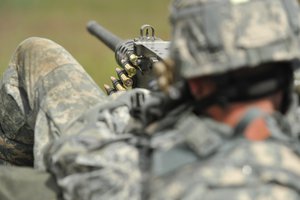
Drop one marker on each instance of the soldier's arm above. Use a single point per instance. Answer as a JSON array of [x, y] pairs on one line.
[[94, 160]]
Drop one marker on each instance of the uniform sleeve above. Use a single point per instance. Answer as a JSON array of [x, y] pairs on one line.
[[94, 159]]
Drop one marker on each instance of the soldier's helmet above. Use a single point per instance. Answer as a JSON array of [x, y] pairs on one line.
[[211, 37]]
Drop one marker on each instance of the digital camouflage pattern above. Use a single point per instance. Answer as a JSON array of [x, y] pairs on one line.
[[96, 150], [196, 158], [43, 89], [228, 166], [223, 35]]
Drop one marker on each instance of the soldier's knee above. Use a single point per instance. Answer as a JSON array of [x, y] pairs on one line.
[[40, 53], [35, 44], [32, 41]]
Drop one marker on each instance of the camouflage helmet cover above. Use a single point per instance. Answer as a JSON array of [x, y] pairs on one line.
[[216, 36]]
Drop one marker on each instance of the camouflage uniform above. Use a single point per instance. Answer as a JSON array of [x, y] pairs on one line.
[[42, 90], [185, 156], [195, 158], [102, 155]]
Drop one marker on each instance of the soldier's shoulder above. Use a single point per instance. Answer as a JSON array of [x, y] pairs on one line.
[[248, 170]]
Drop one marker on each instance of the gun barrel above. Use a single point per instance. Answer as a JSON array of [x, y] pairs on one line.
[[108, 38]]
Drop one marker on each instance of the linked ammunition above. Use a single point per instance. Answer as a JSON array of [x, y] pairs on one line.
[[117, 84], [127, 82], [109, 90]]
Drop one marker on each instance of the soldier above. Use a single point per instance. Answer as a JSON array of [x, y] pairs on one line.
[[233, 135]]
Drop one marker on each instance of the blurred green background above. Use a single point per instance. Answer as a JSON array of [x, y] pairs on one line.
[[64, 22]]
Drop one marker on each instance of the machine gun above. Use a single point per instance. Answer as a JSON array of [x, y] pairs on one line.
[[136, 56]]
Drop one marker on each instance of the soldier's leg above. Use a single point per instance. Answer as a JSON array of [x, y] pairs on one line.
[[42, 90], [19, 183]]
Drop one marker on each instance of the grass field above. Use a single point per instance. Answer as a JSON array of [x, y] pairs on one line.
[[64, 21]]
